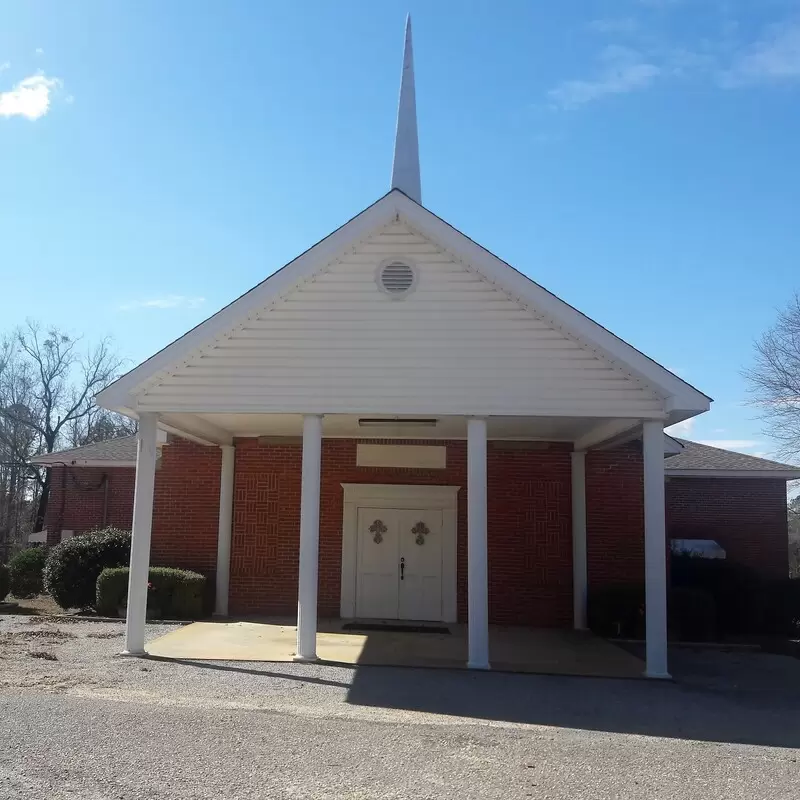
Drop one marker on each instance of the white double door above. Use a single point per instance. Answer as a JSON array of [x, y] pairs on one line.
[[399, 564]]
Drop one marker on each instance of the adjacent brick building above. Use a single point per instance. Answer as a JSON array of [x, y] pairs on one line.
[[529, 514]]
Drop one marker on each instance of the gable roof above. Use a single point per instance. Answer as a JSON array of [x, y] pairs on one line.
[[120, 452], [697, 459], [681, 399]]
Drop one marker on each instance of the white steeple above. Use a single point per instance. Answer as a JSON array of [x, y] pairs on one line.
[[405, 169]]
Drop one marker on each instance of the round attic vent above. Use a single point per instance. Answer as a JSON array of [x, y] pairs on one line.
[[396, 278]]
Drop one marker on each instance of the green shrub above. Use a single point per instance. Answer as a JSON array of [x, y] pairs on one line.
[[692, 614], [70, 574], [779, 608], [25, 572], [617, 610], [172, 593], [5, 582], [736, 590]]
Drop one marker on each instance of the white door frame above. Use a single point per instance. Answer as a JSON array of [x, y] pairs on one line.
[[381, 495]]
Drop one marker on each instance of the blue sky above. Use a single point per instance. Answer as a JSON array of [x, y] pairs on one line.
[[638, 157]]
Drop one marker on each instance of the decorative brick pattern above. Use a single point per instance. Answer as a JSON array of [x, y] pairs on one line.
[[530, 556], [186, 507], [530, 535], [529, 510], [266, 528]]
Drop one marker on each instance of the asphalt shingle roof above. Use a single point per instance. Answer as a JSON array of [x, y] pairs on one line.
[[120, 449], [696, 456]]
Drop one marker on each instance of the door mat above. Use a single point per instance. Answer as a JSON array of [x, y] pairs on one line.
[[395, 627]]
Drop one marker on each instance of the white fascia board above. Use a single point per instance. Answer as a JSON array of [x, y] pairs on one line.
[[782, 474], [118, 395], [679, 396], [89, 463], [681, 399]]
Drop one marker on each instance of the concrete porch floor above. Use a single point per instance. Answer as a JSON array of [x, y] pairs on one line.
[[535, 650]]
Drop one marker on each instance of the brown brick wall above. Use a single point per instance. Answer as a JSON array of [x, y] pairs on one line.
[[186, 507], [529, 525], [530, 535], [529, 507], [615, 515], [746, 516], [78, 496]]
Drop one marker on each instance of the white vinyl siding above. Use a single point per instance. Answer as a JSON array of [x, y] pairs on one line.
[[455, 345]]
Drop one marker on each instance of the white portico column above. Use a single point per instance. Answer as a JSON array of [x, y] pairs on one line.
[[140, 533], [309, 540], [655, 547], [477, 553], [579, 557], [224, 531]]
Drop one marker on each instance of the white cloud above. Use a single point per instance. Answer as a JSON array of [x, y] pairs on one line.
[[166, 301], [731, 444], [683, 430], [4, 65], [624, 70], [773, 58], [30, 98], [39, 51]]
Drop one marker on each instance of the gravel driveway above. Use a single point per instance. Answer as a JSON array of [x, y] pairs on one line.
[[93, 725]]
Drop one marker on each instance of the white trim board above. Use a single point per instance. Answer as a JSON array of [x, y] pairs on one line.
[[378, 495], [782, 474], [406, 456]]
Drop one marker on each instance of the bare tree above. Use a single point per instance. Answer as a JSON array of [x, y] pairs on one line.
[[47, 386], [775, 379]]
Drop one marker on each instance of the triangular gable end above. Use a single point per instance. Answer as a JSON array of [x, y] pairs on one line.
[[468, 340]]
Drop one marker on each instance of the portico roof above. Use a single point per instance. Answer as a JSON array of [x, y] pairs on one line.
[[285, 334]]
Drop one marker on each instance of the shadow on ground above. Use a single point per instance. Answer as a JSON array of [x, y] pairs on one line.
[[746, 698]]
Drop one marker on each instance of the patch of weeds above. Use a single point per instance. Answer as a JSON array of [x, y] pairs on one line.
[[108, 635], [45, 654]]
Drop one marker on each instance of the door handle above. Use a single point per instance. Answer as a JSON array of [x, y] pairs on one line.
[[402, 567]]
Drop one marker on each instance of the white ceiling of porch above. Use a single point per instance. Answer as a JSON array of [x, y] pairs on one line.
[[344, 425]]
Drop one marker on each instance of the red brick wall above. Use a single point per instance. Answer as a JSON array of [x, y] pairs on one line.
[[530, 535], [266, 528], [746, 516], [529, 507], [78, 496], [186, 507], [529, 526], [615, 515], [185, 510]]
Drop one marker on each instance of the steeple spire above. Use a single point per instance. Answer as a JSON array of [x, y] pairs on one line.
[[405, 169]]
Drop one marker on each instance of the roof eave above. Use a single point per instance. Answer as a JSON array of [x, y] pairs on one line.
[[84, 463], [776, 474], [118, 395], [681, 400]]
